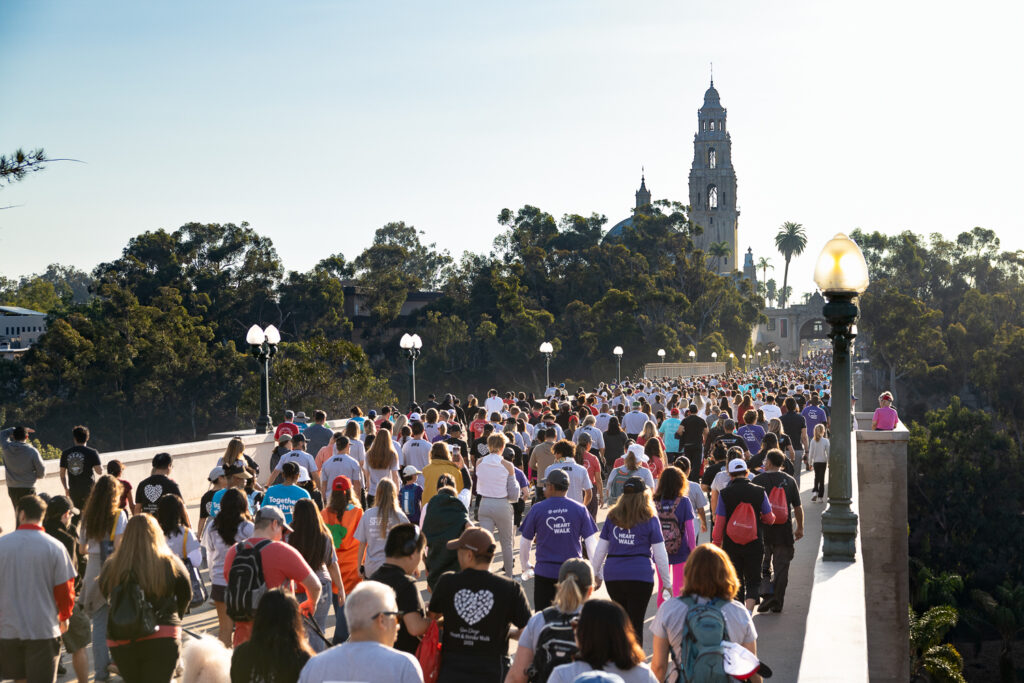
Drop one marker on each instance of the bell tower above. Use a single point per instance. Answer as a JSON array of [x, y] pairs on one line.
[[713, 182]]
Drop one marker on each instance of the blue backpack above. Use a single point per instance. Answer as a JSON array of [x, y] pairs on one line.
[[701, 658]]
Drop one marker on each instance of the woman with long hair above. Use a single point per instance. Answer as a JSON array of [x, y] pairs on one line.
[[369, 433], [381, 464], [356, 449], [342, 516], [173, 521], [817, 455], [231, 525], [143, 557], [676, 514], [785, 443], [607, 642], [710, 578], [655, 452], [632, 541], [696, 495], [101, 528], [314, 542], [575, 586], [278, 648], [372, 532], [650, 431], [615, 443]]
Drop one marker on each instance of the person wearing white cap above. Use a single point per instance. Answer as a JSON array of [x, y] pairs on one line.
[[632, 466], [416, 451]]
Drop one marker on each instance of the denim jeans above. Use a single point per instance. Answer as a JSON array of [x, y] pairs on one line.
[[100, 653]]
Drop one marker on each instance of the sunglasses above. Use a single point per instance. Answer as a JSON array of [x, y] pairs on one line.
[[388, 614]]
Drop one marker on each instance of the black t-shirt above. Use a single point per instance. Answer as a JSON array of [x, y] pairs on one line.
[[731, 440], [710, 472], [150, 490], [793, 424], [79, 461], [780, 533], [463, 446], [205, 502], [693, 429], [242, 664], [408, 599], [478, 608]]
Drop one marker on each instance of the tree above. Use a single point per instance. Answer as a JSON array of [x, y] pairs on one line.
[[18, 165], [763, 264], [720, 250], [770, 290], [931, 660], [1002, 610], [790, 240]]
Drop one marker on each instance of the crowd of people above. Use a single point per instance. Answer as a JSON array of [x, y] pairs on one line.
[[685, 490]]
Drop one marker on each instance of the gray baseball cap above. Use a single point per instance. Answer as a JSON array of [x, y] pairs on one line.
[[274, 514], [559, 479]]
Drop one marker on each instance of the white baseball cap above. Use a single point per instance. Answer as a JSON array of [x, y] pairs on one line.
[[410, 470], [414, 417], [737, 465]]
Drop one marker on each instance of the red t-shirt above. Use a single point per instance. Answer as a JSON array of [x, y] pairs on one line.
[[593, 466], [289, 428], [477, 427], [282, 564], [126, 495]]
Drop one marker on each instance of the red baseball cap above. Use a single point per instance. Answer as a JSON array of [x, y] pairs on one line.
[[341, 483]]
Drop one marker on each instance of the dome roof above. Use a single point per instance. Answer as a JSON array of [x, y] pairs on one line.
[[711, 97], [615, 234]]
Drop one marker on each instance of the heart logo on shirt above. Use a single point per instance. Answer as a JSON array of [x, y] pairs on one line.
[[555, 522], [624, 536], [472, 607], [153, 492]]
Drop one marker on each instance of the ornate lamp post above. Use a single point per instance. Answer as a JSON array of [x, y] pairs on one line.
[[547, 349], [744, 356], [758, 359], [693, 356], [661, 355], [714, 356], [618, 364], [263, 345], [842, 275], [412, 344]]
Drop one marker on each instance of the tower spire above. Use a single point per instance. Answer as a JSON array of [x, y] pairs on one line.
[[712, 74]]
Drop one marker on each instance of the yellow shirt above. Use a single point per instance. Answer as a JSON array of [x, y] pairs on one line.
[[433, 471]]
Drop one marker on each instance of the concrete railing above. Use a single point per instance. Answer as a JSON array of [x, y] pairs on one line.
[[192, 464], [847, 596], [670, 370]]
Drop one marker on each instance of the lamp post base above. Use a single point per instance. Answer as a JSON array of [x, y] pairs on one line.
[[264, 425], [839, 530]]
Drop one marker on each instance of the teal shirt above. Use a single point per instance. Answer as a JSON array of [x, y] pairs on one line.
[[285, 497]]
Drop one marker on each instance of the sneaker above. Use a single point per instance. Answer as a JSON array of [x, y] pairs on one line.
[[768, 604], [814, 498], [776, 606]]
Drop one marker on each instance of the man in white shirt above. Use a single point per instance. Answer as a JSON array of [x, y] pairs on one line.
[[416, 451], [580, 488], [771, 410], [633, 422], [300, 457], [493, 403], [601, 421], [342, 464]]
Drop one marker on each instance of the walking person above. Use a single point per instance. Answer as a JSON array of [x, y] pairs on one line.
[[277, 649], [381, 463], [314, 542], [144, 558], [580, 486], [57, 523], [342, 515], [445, 517], [401, 568], [631, 545], [372, 532], [497, 487], [170, 515], [79, 467], [23, 465], [232, 524], [795, 427], [779, 536], [817, 454], [607, 643], [37, 596], [675, 513], [103, 523]]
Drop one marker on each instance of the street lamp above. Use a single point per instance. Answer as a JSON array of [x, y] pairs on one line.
[[661, 355], [744, 356], [693, 356], [412, 345], [547, 349], [714, 356], [758, 359], [842, 275], [618, 364], [263, 345]]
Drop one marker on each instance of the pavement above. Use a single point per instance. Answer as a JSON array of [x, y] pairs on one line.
[[780, 636]]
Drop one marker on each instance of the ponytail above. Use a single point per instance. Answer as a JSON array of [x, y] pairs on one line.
[[569, 597], [631, 463]]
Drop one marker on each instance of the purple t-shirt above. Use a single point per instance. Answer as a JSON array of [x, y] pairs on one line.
[[814, 415], [629, 551], [752, 434], [558, 525]]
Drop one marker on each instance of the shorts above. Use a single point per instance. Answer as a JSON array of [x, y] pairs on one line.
[[217, 593], [34, 660], [79, 633]]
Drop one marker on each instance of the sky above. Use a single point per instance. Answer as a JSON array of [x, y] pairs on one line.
[[318, 122]]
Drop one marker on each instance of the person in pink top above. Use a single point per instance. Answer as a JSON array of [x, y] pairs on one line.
[[885, 417]]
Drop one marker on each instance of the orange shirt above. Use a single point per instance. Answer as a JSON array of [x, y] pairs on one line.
[[345, 544]]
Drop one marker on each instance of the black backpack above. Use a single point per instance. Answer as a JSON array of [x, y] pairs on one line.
[[556, 644], [246, 583], [131, 615]]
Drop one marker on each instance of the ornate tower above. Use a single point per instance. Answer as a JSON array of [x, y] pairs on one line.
[[713, 181], [643, 195]]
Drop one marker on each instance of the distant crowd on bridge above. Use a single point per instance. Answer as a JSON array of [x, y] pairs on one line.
[[685, 490]]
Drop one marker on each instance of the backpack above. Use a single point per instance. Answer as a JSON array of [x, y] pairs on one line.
[[556, 644], [246, 583], [615, 488], [131, 616], [107, 546], [670, 525], [701, 657], [428, 653], [780, 505], [742, 525]]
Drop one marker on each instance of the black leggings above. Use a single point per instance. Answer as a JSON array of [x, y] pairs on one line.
[[147, 661], [819, 478], [634, 596], [747, 561]]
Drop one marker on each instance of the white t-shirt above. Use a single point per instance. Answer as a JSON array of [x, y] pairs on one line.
[[192, 548], [567, 673], [491, 476], [362, 661], [579, 480], [595, 434], [771, 410], [670, 621], [369, 532], [216, 549], [356, 450], [300, 458], [416, 452], [338, 465], [494, 404]]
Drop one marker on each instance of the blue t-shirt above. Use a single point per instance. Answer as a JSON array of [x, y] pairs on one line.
[[813, 415], [668, 432], [409, 498], [215, 502], [753, 435], [558, 525], [629, 551], [285, 497]]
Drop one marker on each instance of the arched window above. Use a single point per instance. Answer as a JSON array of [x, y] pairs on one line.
[[712, 197], [712, 158], [712, 125]]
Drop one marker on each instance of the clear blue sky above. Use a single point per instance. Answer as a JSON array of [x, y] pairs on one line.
[[318, 122]]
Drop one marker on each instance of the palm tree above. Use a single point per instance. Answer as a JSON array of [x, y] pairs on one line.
[[1003, 611], [764, 264], [720, 250], [771, 291], [932, 660], [790, 240]]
